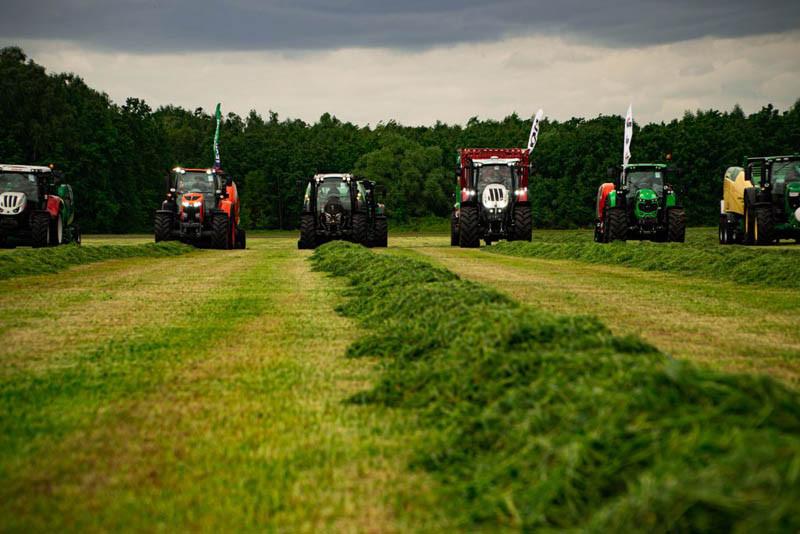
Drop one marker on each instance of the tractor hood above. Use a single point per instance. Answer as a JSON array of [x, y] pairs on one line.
[[646, 203], [12, 203]]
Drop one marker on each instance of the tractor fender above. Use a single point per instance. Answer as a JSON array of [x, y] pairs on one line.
[[54, 204]]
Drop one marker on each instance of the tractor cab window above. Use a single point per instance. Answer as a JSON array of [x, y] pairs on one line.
[[494, 174], [788, 171], [333, 191], [17, 182], [362, 193], [646, 179], [196, 182]]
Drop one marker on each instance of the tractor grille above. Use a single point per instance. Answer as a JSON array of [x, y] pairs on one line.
[[12, 203], [648, 206]]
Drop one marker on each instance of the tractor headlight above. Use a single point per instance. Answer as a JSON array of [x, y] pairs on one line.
[[185, 204], [797, 214]]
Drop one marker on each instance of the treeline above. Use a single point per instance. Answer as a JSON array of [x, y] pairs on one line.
[[116, 156]]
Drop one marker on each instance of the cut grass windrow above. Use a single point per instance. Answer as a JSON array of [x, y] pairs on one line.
[[778, 267], [542, 421], [52, 260]]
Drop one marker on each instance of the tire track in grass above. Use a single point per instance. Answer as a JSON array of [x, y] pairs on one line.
[[251, 431], [730, 327]]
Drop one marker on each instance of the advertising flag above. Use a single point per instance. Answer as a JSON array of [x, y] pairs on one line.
[[626, 148], [534, 136], [218, 115]]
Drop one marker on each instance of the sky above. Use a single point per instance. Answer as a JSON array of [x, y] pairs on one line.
[[418, 61]]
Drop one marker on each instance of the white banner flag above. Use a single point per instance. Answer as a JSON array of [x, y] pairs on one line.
[[626, 148], [534, 131]]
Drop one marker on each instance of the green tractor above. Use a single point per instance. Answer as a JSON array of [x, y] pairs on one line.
[[761, 202], [639, 204]]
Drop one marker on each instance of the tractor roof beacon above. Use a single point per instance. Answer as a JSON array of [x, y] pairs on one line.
[[761, 201], [36, 207], [492, 198], [640, 203], [342, 206]]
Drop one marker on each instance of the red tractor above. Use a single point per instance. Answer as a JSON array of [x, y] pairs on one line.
[[201, 208], [492, 199]]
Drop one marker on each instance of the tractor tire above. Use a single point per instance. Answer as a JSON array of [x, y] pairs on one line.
[[220, 231], [764, 228], [523, 224], [241, 239], [453, 230], [360, 228], [40, 230], [676, 225], [308, 232], [56, 231], [162, 227], [724, 238], [468, 228], [381, 232], [616, 225]]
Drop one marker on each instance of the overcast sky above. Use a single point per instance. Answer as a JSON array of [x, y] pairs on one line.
[[417, 61]]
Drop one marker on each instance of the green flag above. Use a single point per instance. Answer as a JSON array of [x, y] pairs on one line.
[[217, 163]]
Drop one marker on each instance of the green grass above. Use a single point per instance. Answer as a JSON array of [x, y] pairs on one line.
[[51, 260], [540, 421], [770, 268]]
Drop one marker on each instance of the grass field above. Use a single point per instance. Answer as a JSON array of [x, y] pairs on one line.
[[210, 389]]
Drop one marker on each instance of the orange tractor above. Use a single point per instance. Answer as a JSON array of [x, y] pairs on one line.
[[201, 208]]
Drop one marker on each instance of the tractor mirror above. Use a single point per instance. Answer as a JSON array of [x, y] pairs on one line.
[[612, 172]]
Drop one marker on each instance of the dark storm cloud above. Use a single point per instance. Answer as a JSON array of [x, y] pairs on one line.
[[196, 25]]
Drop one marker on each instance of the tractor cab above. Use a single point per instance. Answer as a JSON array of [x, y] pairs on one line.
[[778, 179], [23, 186]]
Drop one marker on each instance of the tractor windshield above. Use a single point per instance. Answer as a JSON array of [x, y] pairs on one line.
[[333, 191], [494, 174], [18, 182], [788, 171], [195, 182], [646, 179]]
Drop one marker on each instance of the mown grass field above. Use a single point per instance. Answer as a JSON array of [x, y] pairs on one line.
[[212, 390]]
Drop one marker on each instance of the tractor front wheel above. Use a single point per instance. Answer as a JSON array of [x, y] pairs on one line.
[[523, 224], [220, 231], [40, 229], [616, 225], [676, 225], [308, 232], [453, 230], [468, 228], [763, 232], [162, 226]]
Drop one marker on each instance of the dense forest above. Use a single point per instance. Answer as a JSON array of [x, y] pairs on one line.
[[116, 156]]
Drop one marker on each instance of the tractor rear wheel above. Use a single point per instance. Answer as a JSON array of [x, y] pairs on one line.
[[676, 225], [468, 228], [220, 231], [616, 225], [40, 229], [162, 226], [764, 227], [308, 232], [523, 224], [359, 228], [381, 232], [453, 230]]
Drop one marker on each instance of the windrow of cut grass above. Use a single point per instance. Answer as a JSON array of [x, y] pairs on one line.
[[538, 421], [779, 267], [51, 260]]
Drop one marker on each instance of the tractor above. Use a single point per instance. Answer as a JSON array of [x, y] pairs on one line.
[[342, 206], [35, 207], [201, 208], [761, 202], [639, 204], [492, 199]]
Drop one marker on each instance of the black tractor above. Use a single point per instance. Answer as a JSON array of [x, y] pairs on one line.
[[36, 208], [341, 206]]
